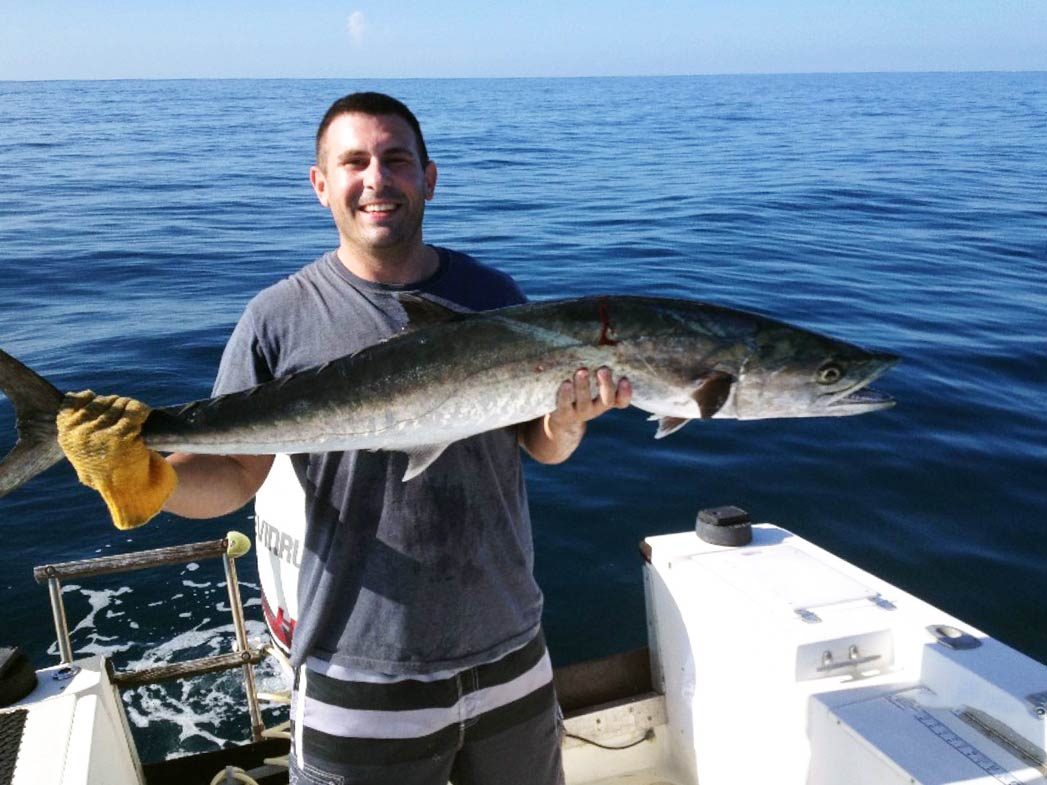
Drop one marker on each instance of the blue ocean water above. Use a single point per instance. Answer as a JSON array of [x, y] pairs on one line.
[[905, 212]]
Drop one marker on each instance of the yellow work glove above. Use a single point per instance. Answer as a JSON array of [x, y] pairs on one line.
[[100, 435]]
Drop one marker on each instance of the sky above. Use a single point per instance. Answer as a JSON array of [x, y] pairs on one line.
[[112, 39]]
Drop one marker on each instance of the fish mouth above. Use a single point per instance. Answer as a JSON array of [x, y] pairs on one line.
[[863, 400], [858, 397]]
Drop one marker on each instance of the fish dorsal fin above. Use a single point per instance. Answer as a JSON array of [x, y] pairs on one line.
[[419, 458], [423, 312], [668, 425], [711, 392]]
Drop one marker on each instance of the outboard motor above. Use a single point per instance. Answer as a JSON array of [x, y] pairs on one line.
[[279, 538]]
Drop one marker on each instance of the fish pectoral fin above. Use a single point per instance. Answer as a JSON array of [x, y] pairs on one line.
[[668, 425], [423, 312], [419, 458], [711, 392]]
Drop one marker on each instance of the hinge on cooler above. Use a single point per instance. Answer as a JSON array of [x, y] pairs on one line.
[[882, 602], [810, 617]]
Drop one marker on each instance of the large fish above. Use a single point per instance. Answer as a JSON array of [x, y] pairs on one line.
[[453, 375]]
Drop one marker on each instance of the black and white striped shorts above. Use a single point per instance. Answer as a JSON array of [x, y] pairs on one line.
[[414, 731]]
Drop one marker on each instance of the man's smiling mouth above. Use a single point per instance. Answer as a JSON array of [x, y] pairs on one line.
[[379, 207]]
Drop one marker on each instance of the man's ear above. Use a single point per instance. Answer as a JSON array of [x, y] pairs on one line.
[[430, 180], [319, 183]]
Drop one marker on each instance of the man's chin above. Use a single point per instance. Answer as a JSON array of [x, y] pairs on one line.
[[380, 236], [387, 236]]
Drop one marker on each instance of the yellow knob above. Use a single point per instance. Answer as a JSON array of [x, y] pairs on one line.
[[237, 544]]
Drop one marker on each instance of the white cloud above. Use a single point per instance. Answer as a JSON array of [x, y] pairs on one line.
[[356, 26]]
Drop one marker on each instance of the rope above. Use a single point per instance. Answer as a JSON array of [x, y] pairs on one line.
[[233, 774], [646, 737]]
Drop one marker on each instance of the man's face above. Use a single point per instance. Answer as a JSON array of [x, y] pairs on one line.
[[372, 179]]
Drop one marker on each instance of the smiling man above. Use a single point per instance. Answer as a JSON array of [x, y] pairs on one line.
[[374, 174], [418, 649]]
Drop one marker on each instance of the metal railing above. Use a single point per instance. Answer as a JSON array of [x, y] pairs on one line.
[[242, 655]]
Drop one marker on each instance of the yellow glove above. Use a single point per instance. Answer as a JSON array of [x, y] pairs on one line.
[[100, 435]]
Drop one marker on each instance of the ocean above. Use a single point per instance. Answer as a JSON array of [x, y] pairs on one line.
[[903, 212]]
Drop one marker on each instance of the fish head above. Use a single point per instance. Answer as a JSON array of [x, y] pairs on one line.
[[794, 373]]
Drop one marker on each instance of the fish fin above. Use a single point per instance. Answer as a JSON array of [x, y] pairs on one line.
[[419, 458], [711, 392], [423, 312], [36, 404], [668, 425]]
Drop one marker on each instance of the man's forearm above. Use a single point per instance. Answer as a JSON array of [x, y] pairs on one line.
[[213, 485]]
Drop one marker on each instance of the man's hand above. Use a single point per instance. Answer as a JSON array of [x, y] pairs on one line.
[[101, 437], [552, 438]]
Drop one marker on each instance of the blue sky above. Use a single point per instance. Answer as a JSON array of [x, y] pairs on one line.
[[91, 39]]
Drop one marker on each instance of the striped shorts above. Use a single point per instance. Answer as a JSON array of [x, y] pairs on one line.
[[495, 724]]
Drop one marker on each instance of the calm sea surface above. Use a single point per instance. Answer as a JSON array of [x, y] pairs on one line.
[[902, 212]]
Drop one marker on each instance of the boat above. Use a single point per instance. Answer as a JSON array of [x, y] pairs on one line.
[[769, 659]]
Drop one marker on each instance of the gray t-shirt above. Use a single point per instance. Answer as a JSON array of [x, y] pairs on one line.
[[399, 578]]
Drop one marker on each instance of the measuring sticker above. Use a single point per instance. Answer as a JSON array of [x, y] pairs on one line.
[[958, 743]]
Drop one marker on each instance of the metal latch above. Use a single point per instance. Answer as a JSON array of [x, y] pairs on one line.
[[854, 658], [850, 656]]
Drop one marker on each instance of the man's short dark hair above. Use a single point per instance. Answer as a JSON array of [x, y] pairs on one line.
[[375, 105]]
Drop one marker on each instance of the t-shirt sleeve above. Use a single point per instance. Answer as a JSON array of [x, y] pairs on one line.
[[244, 364], [516, 295], [500, 287], [478, 286]]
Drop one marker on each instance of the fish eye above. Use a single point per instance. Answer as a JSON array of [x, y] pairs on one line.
[[829, 373]]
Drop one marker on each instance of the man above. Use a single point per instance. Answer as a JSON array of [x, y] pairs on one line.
[[418, 649]]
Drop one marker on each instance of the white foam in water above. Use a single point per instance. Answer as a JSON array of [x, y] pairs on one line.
[[188, 715], [96, 643]]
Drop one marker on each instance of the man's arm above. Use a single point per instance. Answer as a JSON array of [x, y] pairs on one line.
[[553, 437], [212, 485]]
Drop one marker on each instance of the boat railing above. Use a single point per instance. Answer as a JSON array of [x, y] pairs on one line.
[[242, 656]]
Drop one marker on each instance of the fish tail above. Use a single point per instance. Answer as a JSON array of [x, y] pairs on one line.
[[36, 403]]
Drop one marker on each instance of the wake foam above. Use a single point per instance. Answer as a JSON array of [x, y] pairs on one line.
[[137, 627]]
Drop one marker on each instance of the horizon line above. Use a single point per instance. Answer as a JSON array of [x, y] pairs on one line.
[[521, 77]]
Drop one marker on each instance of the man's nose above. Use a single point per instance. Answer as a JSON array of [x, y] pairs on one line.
[[376, 175]]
